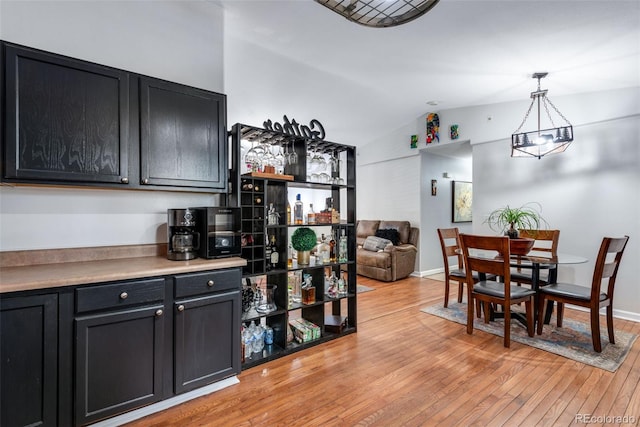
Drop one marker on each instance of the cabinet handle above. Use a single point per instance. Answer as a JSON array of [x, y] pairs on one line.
[[145, 180], [181, 307], [159, 312], [210, 283], [124, 180], [124, 295]]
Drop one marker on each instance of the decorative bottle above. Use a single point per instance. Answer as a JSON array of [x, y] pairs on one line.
[[322, 250], [297, 211], [267, 253], [274, 256], [273, 217], [288, 212], [343, 248], [332, 249], [311, 216]]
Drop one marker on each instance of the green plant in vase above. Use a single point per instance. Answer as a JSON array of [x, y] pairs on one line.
[[303, 240], [509, 220]]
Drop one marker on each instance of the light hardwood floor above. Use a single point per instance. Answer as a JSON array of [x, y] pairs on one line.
[[407, 368]]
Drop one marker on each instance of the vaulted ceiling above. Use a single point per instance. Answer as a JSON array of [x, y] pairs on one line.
[[363, 82]]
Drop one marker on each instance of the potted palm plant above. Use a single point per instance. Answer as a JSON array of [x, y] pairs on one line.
[[303, 240], [509, 220]]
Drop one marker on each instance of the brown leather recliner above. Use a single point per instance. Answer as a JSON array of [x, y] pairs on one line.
[[394, 261]]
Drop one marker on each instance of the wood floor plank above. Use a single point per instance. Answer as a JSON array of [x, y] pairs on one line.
[[407, 368]]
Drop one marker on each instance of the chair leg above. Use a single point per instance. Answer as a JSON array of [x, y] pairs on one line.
[[541, 301], [478, 309], [528, 306], [595, 329], [612, 337], [446, 292], [487, 311], [507, 328], [470, 316], [460, 290], [560, 314]]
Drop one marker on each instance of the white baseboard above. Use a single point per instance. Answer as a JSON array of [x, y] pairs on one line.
[[428, 272], [166, 404], [618, 314]]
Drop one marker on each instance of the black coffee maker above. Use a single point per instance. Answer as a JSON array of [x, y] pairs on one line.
[[184, 239]]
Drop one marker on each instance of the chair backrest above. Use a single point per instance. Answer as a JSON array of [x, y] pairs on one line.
[[550, 237], [481, 263], [450, 243], [607, 263]]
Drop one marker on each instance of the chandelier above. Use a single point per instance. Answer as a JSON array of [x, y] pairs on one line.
[[541, 142], [380, 13]]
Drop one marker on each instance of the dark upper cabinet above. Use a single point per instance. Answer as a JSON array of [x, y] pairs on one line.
[[183, 139], [66, 120], [28, 360]]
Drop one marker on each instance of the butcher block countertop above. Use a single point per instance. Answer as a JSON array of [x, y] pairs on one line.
[[53, 268]]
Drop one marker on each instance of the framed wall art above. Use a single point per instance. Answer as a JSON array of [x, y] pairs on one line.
[[461, 201]]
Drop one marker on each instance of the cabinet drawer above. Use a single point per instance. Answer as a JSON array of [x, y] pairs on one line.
[[117, 295], [210, 281]]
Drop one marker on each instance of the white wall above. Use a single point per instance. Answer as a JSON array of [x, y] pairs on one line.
[[181, 43], [588, 192], [437, 210]]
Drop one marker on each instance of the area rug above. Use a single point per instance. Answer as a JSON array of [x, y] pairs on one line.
[[572, 341], [363, 288]]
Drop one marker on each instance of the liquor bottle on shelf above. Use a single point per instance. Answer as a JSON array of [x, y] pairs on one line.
[[322, 251], [288, 213], [268, 249], [308, 290], [342, 286], [311, 216], [289, 256], [297, 211], [274, 256], [342, 248], [332, 248], [273, 217]]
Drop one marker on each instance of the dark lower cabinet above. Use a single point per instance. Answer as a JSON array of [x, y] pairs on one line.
[[207, 339], [29, 357], [86, 353], [119, 362]]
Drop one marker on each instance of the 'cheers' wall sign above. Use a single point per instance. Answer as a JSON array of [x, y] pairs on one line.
[[313, 131]]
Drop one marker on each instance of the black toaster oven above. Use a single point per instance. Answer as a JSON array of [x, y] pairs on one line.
[[220, 231]]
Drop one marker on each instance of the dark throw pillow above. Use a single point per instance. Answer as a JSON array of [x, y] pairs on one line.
[[389, 234]]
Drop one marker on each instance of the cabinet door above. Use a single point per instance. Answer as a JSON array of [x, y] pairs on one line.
[[66, 120], [118, 362], [207, 339], [28, 355], [182, 136]]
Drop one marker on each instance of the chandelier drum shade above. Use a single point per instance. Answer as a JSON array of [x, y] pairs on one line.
[[380, 13], [540, 142]]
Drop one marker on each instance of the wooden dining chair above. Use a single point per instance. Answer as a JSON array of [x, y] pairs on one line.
[[491, 292], [545, 241], [450, 245], [598, 296]]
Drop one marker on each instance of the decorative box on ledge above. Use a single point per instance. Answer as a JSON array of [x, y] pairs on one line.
[[332, 217]]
